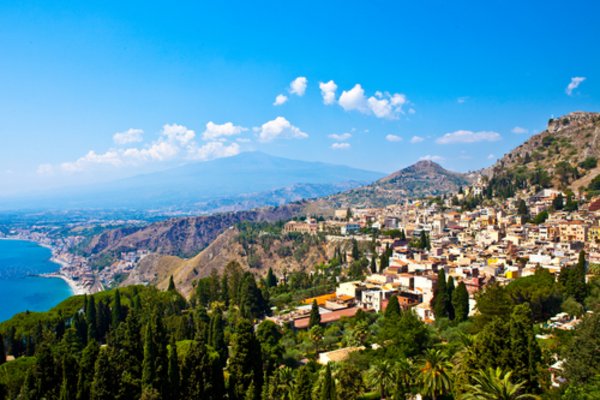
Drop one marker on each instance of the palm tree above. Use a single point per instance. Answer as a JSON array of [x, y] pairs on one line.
[[496, 385], [404, 373], [380, 375], [435, 373]]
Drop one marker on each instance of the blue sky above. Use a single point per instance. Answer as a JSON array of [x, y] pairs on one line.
[[444, 80]]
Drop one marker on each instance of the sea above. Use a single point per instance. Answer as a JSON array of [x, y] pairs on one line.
[[20, 290]]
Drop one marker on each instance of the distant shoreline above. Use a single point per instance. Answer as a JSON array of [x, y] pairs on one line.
[[75, 287]]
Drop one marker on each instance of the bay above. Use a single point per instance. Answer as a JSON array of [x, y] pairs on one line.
[[19, 290]]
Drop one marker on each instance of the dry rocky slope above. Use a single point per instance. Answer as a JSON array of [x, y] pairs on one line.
[[281, 254], [568, 141]]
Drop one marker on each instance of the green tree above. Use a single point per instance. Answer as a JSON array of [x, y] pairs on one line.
[[522, 208], [460, 302], [328, 390], [581, 361], [117, 309], [381, 377], [86, 370], [495, 384], [269, 336], [271, 280], [302, 384], [105, 383], [440, 301], [173, 372], [435, 378], [2, 351], [525, 351], [245, 363], [558, 202], [392, 311], [171, 287], [155, 363], [315, 316]]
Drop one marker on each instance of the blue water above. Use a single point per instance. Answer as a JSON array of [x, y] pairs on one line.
[[18, 290]]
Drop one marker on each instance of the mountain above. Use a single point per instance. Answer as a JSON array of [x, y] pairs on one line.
[[563, 156], [248, 180], [425, 178]]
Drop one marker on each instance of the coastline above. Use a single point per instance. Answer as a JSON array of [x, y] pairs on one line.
[[75, 287]]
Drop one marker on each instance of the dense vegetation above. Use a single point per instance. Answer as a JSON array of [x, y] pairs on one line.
[[138, 342]]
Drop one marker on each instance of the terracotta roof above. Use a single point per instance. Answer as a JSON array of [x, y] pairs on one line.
[[333, 316]]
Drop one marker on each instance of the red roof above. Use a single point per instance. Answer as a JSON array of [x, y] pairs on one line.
[[302, 323]]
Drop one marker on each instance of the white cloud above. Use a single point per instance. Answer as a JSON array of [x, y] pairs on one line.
[[279, 128], [212, 150], [178, 133], [175, 142], [462, 100], [432, 158], [340, 146], [574, 84], [519, 130], [381, 104], [393, 138], [216, 131], [491, 157], [280, 100], [340, 136], [464, 136], [354, 99], [298, 86], [131, 135], [416, 139], [328, 90]]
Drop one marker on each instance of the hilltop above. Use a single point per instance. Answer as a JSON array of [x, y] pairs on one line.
[[423, 179]]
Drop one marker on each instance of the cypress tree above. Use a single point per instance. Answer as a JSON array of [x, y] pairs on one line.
[[328, 391], [315, 316], [86, 370], [171, 287], [440, 297], [91, 319], [460, 302], [392, 310], [217, 336], [525, 352], [2, 351], [271, 280], [106, 383], [450, 291], [155, 363], [302, 386], [373, 264], [355, 250], [245, 363], [117, 309], [173, 392]]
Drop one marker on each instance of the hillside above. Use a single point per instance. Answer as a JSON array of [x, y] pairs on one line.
[[562, 156], [278, 251], [425, 178], [182, 237]]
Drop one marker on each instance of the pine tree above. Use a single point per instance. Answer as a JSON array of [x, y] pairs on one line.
[[91, 319], [328, 391], [315, 315], [217, 336], [171, 287], [460, 302], [303, 384]]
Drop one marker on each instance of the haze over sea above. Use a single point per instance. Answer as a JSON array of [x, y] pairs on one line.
[[19, 291]]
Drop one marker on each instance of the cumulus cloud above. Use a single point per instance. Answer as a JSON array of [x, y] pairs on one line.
[[416, 139], [574, 84], [328, 90], [340, 136], [393, 138], [279, 128], [381, 104], [434, 158], [131, 135], [215, 131], [464, 136], [212, 150], [174, 142], [519, 130], [340, 146], [491, 157], [298, 86], [280, 100]]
